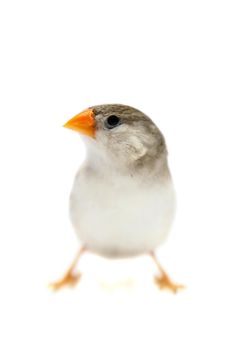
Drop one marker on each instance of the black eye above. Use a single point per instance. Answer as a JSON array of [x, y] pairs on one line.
[[112, 121]]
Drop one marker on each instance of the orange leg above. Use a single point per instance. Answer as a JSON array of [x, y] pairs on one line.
[[71, 278], [164, 280]]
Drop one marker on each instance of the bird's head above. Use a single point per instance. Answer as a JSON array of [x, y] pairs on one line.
[[120, 133]]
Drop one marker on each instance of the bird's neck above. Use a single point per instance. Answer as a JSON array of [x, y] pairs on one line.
[[143, 168]]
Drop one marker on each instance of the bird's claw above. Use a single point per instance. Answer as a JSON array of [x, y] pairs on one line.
[[70, 279], [164, 282]]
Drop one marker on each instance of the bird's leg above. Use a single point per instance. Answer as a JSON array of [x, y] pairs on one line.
[[164, 280], [71, 277]]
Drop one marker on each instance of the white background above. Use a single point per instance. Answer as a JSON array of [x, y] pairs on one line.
[[171, 59]]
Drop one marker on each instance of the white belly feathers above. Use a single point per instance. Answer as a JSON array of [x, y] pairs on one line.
[[121, 218]]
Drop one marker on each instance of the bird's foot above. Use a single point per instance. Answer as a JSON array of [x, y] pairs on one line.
[[164, 282], [70, 279]]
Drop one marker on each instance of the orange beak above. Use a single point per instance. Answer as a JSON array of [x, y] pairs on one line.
[[83, 123]]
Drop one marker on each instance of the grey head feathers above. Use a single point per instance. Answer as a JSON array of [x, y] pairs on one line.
[[134, 143]]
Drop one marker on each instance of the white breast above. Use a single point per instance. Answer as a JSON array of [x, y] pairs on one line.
[[120, 216]]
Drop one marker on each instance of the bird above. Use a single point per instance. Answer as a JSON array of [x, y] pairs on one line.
[[122, 202]]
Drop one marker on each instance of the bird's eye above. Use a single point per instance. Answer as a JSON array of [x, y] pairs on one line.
[[112, 121]]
